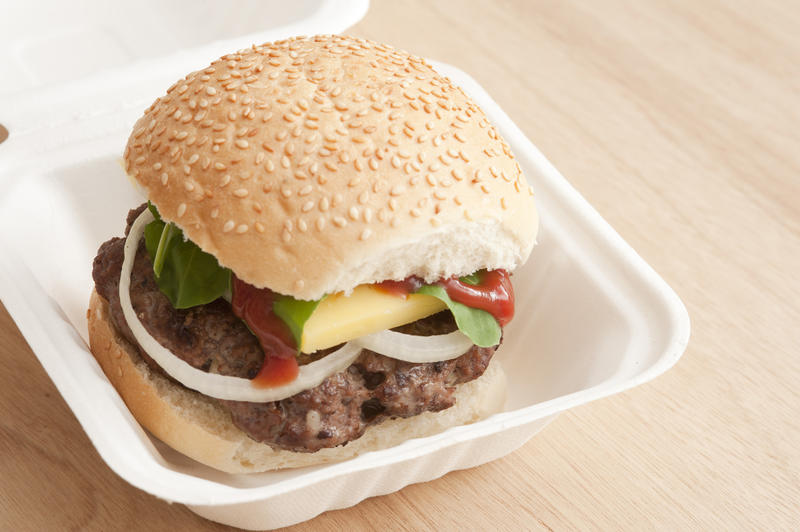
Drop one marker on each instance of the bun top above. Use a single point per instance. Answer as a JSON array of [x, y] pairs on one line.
[[312, 165]]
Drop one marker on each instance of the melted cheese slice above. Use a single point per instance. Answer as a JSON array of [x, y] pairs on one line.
[[340, 318]]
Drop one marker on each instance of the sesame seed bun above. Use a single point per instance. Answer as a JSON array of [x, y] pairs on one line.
[[200, 428], [312, 165]]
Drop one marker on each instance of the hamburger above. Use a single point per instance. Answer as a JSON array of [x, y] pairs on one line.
[[323, 264]]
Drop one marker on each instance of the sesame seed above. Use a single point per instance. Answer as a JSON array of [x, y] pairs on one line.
[[242, 144], [353, 213], [139, 160], [365, 234], [164, 178], [339, 221], [269, 166], [241, 228], [320, 223], [229, 225], [194, 158], [397, 190], [225, 180], [458, 174], [181, 209], [241, 193], [259, 227], [305, 191], [286, 236], [324, 204], [285, 161]]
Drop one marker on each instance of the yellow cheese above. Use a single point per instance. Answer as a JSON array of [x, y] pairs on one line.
[[338, 319]]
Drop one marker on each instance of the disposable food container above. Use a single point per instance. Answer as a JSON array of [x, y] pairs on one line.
[[593, 319]]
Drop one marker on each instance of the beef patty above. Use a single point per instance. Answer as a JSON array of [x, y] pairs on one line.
[[211, 338]]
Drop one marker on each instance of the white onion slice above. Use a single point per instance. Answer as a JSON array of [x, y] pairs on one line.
[[211, 384], [412, 348]]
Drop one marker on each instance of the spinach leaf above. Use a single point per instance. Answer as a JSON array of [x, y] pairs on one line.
[[473, 278], [187, 275], [294, 313], [477, 324]]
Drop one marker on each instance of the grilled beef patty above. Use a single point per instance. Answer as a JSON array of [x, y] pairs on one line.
[[211, 338]]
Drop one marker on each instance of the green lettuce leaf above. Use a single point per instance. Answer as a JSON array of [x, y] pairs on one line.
[[294, 313], [473, 278], [477, 324], [187, 275]]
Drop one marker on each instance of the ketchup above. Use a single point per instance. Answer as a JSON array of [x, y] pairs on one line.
[[254, 306], [493, 293], [409, 285]]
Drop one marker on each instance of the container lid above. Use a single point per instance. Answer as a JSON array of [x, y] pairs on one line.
[[52, 53]]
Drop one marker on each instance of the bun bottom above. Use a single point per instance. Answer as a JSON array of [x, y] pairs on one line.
[[200, 428]]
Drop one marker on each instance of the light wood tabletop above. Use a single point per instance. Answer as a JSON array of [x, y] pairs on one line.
[[678, 121]]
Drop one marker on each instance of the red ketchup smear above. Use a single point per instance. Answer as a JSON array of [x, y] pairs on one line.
[[409, 285], [493, 293], [254, 306]]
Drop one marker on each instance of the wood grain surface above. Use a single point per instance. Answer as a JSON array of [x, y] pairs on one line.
[[678, 120]]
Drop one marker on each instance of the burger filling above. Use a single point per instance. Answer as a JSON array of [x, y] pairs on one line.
[[218, 337]]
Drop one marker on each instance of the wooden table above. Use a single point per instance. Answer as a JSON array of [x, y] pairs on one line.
[[679, 122]]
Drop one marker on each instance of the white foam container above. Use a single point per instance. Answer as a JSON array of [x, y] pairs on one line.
[[593, 319]]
